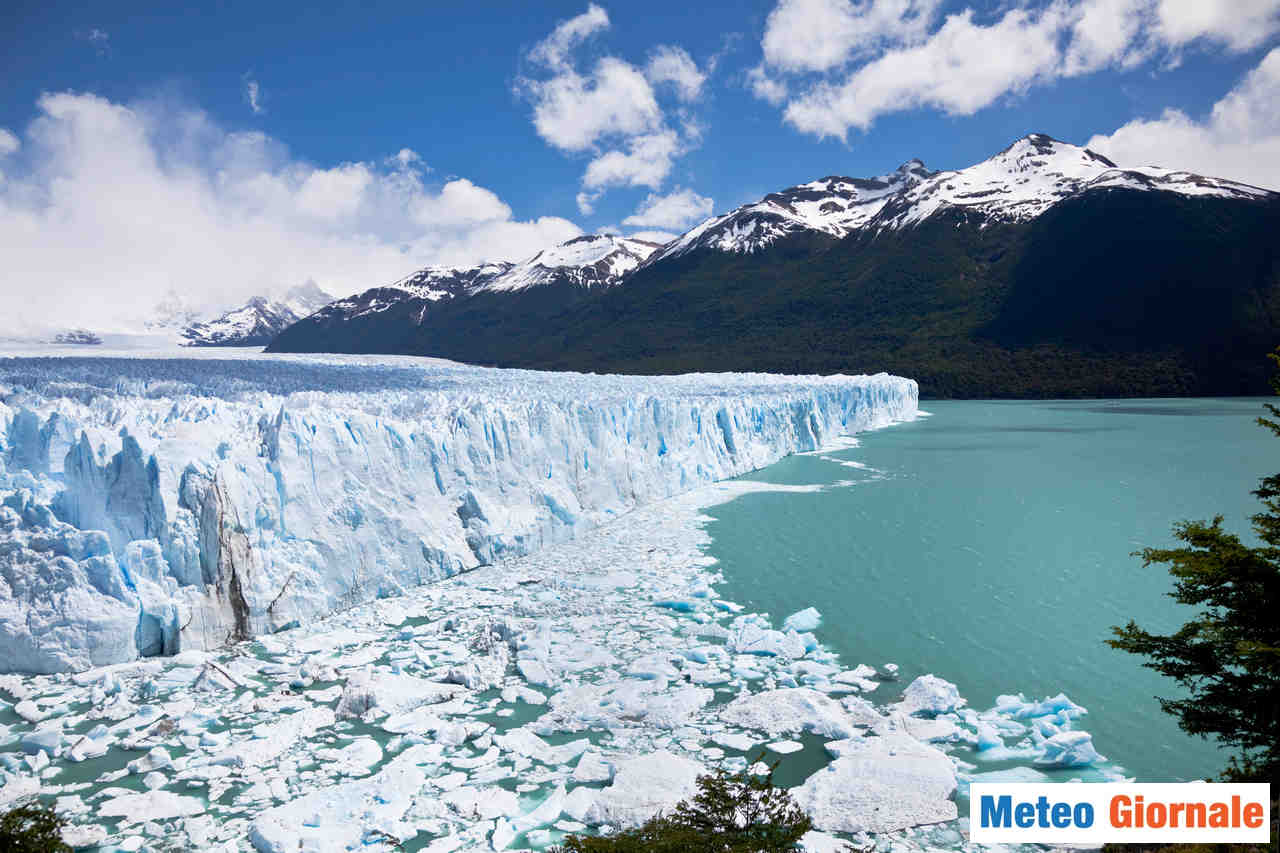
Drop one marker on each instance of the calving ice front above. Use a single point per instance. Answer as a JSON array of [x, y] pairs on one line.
[[159, 505], [1120, 812]]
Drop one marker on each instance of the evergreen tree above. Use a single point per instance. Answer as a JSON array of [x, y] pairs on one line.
[[32, 828], [1228, 656], [730, 813]]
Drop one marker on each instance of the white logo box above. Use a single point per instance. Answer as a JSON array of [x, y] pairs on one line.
[[1120, 812]]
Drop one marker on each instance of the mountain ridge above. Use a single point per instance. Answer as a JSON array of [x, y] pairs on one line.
[[258, 321], [923, 273]]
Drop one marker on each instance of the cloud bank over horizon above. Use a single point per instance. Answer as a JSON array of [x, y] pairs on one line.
[[106, 209]]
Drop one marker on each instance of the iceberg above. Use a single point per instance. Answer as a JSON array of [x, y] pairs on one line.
[[154, 505], [644, 786]]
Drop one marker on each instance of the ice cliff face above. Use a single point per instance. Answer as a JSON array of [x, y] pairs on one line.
[[153, 505]]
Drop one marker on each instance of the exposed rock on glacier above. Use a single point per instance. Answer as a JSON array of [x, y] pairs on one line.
[[151, 505]]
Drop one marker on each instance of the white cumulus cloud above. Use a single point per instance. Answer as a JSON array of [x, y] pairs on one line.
[[1238, 24], [671, 64], [107, 207], [675, 211], [253, 96], [646, 163], [837, 65], [610, 109], [9, 143], [1239, 139], [962, 67], [815, 35]]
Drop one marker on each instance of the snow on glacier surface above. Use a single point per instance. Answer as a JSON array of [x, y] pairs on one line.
[[154, 504]]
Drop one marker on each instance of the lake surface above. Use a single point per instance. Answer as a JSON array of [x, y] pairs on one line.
[[991, 544]]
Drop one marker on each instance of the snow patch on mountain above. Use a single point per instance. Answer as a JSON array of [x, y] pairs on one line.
[[259, 320], [1016, 185], [590, 261]]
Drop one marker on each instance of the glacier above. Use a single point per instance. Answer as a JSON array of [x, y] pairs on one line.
[[151, 505]]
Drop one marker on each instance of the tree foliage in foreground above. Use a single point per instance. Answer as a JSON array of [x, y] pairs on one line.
[[1228, 656], [731, 813], [32, 828]]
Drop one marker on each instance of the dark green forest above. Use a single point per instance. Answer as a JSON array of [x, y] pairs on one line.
[[1111, 293]]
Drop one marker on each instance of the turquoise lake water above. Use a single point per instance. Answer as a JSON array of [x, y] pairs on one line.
[[990, 544]]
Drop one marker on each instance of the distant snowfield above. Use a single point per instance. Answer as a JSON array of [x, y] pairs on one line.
[[580, 686]]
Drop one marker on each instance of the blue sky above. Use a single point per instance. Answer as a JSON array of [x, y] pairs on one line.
[[521, 123]]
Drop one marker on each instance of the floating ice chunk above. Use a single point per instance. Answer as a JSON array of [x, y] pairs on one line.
[[677, 606], [929, 694], [546, 812], [731, 740], [47, 740], [273, 738], [642, 787], [1069, 749], [152, 805], [1017, 707], [16, 788], [482, 803], [862, 713], [805, 620], [393, 694], [523, 694], [157, 759], [579, 803], [535, 672], [859, 678], [749, 637], [942, 729], [81, 836], [502, 836], [357, 757], [592, 768], [1013, 774], [788, 710], [814, 841], [340, 817], [880, 784], [988, 736], [786, 747]]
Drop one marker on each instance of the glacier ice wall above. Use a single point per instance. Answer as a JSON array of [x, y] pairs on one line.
[[151, 505]]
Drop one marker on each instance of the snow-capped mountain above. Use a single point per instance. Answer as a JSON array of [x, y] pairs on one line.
[[257, 321], [172, 314], [79, 337], [1016, 185], [592, 261], [1046, 270]]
